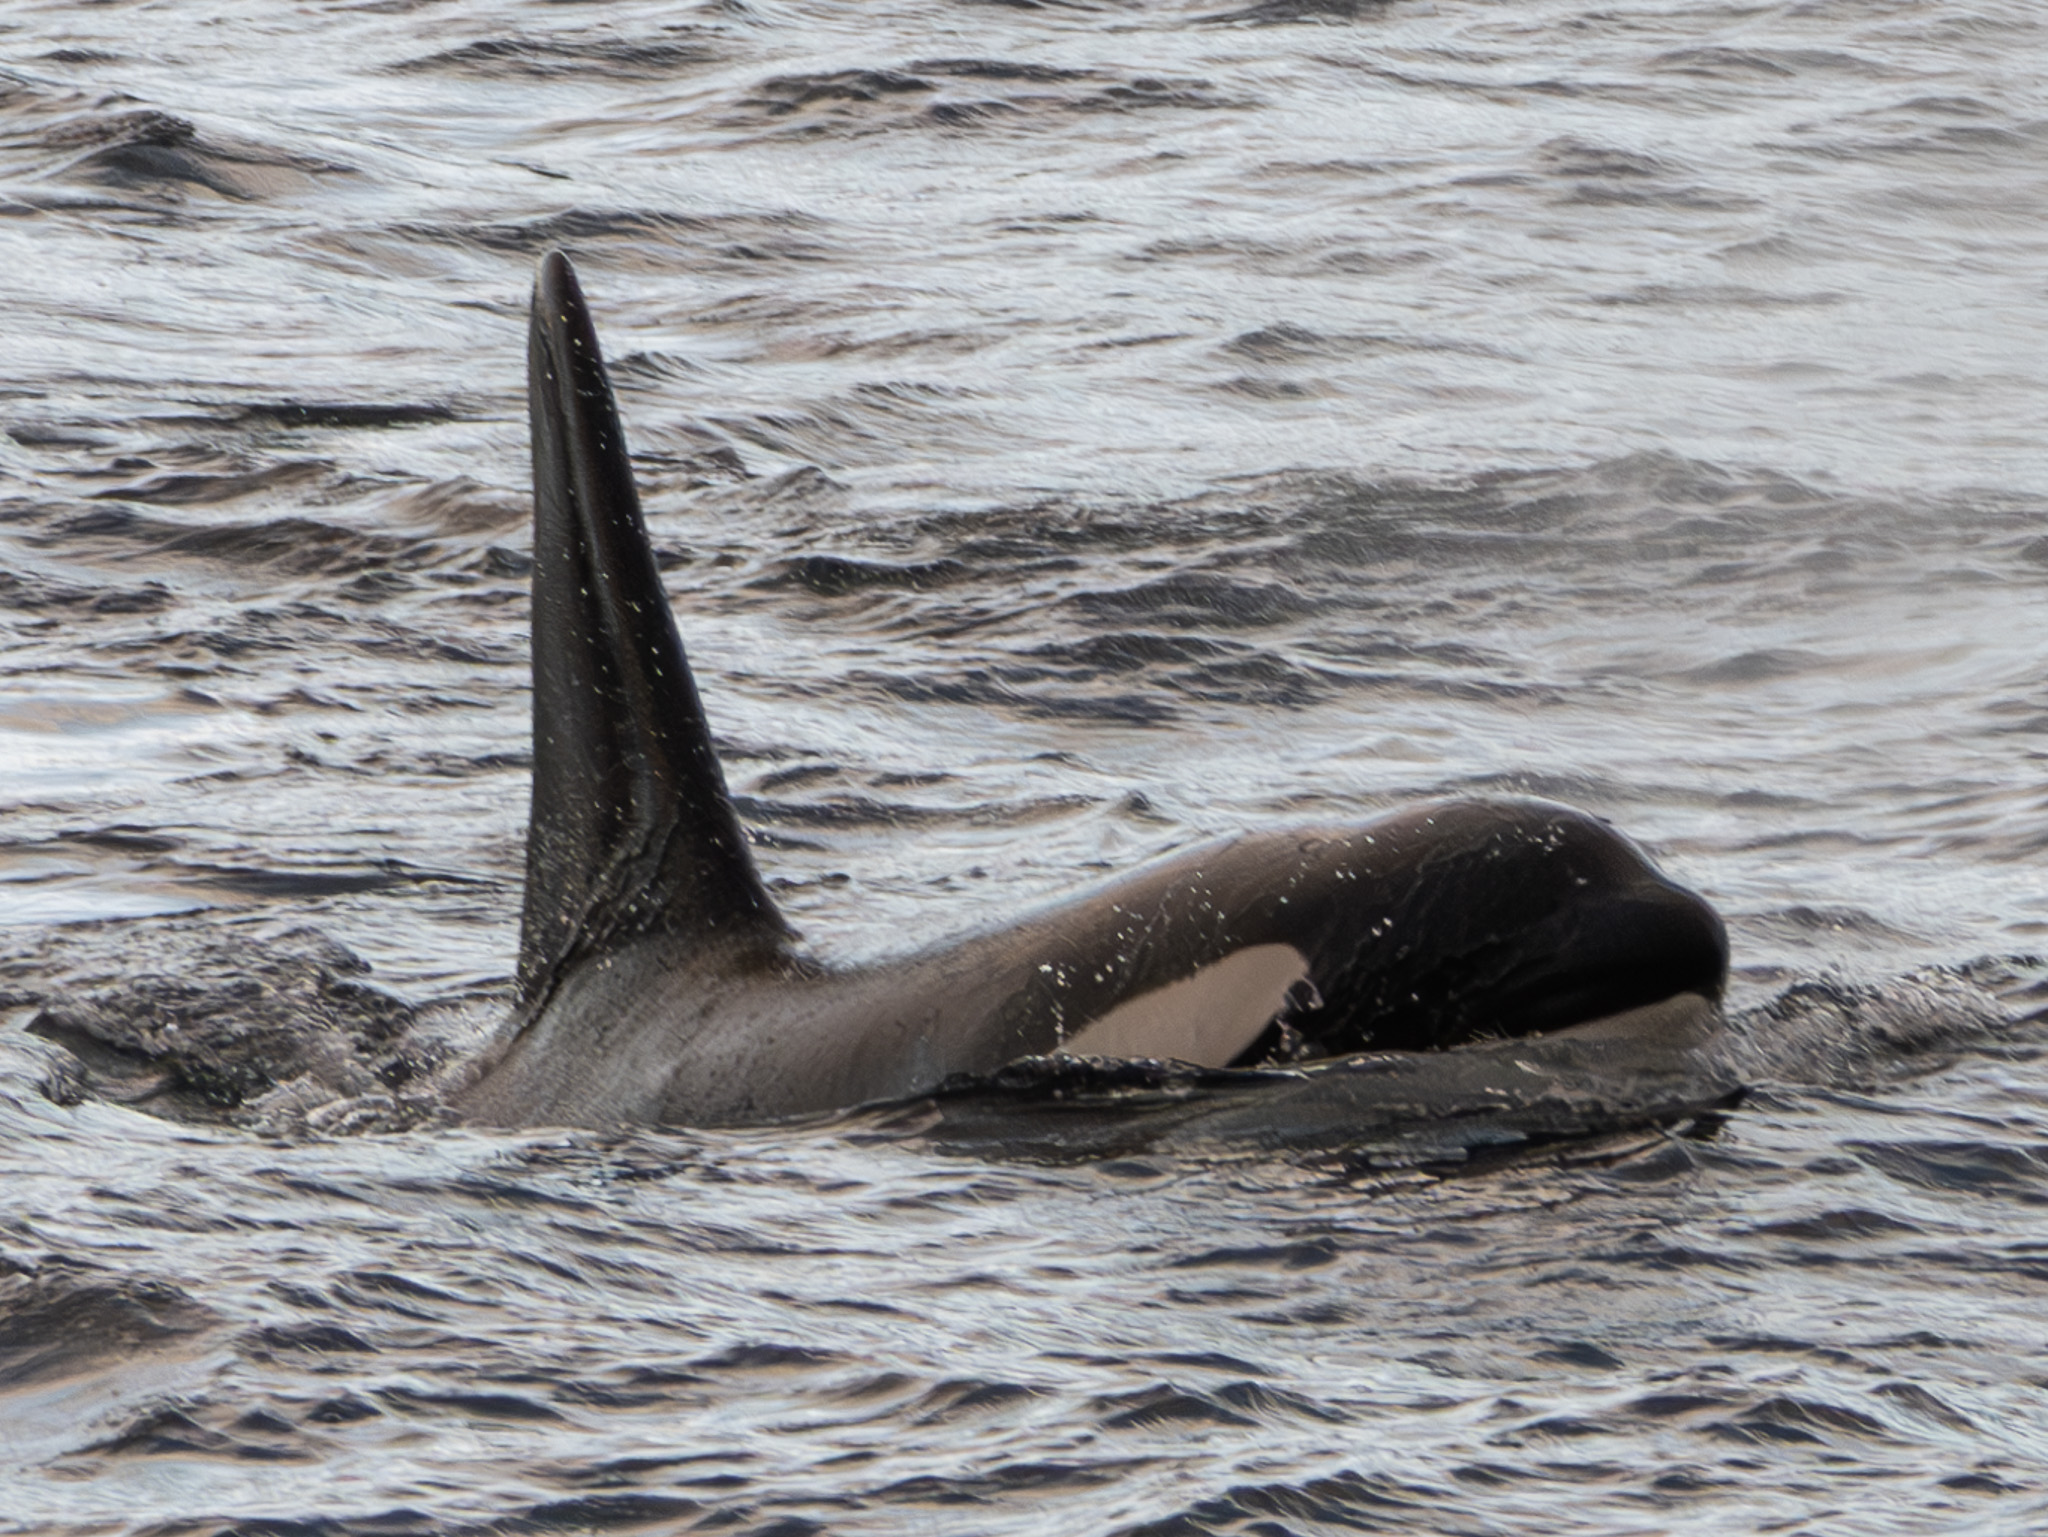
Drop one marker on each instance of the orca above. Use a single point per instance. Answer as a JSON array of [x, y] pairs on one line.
[[658, 983]]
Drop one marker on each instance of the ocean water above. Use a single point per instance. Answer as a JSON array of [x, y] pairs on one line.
[[1069, 431]]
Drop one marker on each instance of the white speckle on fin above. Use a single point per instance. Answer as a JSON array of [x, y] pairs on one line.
[[1206, 1019]]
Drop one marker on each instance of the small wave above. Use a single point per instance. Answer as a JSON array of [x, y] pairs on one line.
[[1009, 690], [1284, 13], [1198, 599], [199, 488], [833, 576], [675, 51], [674, 238], [158, 153], [343, 413], [870, 100], [1720, 62], [1759, 666], [241, 1017], [294, 546], [58, 1319]]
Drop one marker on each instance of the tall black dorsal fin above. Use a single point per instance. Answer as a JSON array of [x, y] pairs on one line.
[[632, 831]]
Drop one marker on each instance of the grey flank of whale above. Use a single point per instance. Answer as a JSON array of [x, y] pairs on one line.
[[1434, 955]]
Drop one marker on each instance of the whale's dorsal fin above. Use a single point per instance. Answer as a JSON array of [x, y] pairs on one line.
[[632, 831]]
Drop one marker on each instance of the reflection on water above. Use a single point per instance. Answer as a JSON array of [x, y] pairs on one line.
[[1068, 432]]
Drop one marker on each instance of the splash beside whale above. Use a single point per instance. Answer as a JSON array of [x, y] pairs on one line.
[[1447, 960]]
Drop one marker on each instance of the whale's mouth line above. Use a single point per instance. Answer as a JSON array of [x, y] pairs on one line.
[[1587, 1000], [1579, 1011]]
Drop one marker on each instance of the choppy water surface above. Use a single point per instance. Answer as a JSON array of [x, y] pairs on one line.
[[1070, 430]]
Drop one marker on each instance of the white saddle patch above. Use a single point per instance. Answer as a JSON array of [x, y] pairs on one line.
[[1206, 1019]]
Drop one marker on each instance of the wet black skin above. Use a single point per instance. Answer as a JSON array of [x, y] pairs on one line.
[[659, 983]]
